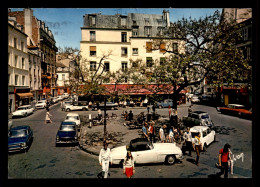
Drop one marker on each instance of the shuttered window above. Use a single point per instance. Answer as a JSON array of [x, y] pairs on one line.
[[148, 47], [93, 50], [162, 48]]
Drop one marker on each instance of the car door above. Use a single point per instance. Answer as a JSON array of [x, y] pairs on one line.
[[145, 154], [205, 137], [210, 135]]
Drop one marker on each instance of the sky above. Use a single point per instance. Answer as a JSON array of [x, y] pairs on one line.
[[65, 23]]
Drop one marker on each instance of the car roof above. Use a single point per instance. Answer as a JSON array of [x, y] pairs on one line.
[[198, 128], [24, 106], [72, 114], [20, 127]]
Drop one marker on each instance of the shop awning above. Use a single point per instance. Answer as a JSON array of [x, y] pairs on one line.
[[25, 95]]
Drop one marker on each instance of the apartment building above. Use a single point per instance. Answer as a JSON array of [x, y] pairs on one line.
[[18, 66], [41, 41], [63, 73], [125, 38]]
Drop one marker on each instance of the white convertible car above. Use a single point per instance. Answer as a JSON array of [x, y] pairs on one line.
[[207, 135], [144, 152]]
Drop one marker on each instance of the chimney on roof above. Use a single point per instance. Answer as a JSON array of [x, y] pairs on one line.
[[166, 17], [28, 13]]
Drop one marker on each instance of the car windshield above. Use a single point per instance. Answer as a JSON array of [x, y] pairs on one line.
[[17, 133], [67, 128], [22, 108], [204, 116], [193, 134], [72, 117]]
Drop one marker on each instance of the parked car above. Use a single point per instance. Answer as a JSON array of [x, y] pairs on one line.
[[73, 117], [146, 152], [207, 135], [60, 97], [236, 110], [195, 99], [70, 107], [67, 133], [109, 106], [23, 111], [198, 118], [20, 138], [55, 100], [41, 104], [165, 103]]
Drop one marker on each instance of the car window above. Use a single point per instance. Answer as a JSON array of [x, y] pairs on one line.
[[204, 133], [208, 130], [204, 116], [67, 128], [18, 133], [195, 116], [72, 117], [193, 134]]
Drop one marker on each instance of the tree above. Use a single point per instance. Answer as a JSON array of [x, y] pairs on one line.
[[210, 52]]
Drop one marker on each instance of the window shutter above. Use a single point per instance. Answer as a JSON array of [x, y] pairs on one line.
[[92, 48], [162, 48], [148, 47]]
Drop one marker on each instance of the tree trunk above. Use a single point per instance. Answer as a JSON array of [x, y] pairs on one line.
[[175, 97]]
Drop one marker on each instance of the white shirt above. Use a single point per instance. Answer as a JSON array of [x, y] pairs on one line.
[[104, 155], [187, 136], [128, 163]]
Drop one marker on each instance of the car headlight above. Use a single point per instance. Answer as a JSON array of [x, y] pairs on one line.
[[23, 144], [75, 137], [57, 138]]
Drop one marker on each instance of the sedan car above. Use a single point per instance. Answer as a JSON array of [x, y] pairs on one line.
[[236, 110], [109, 106], [144, 152], [165, 103], [40, 104], [207, 135], [67, 134], [20, 138], [73, 117], [23, 111], [195, 99]]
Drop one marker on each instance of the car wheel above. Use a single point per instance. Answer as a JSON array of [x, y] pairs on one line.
[[84, 109], [67, 110], [170, 159], [25, 114]]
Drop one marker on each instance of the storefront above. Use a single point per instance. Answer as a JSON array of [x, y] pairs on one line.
[[23, 96]]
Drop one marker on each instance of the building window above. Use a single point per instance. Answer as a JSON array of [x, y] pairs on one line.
[[123, 37], [16, 79], [93, 50], [92, 35], [147, 31], [123, 21], [162, 61], [15, 42], [23, 80], [63, 77], [124, 51], [22, 46], [135, 51], [124, 66], [106, 67], [162, 48], [93, 66], [149, 47], [175, 47], [23, 66], [160, 30], [149, 61], [92, 20], [15, 61], [146, 21], [135, 32]]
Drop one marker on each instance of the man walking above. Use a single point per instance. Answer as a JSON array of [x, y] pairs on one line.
[[224, 158], [104, 158], [197, 144], [188, 141]]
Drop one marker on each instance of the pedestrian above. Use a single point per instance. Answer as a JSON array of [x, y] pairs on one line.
[[99, 114], [62, 105], [169, 110], [197, 147], [125, 115], [153, 107], [224, 157], [130, 115], [152, 132], [48, 117], [125, 103], [148, 109], [161, 133], [189, 110], [188, 141], [104, 158], [90, 120], [128, 165], [171, 136], [145, 130]]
